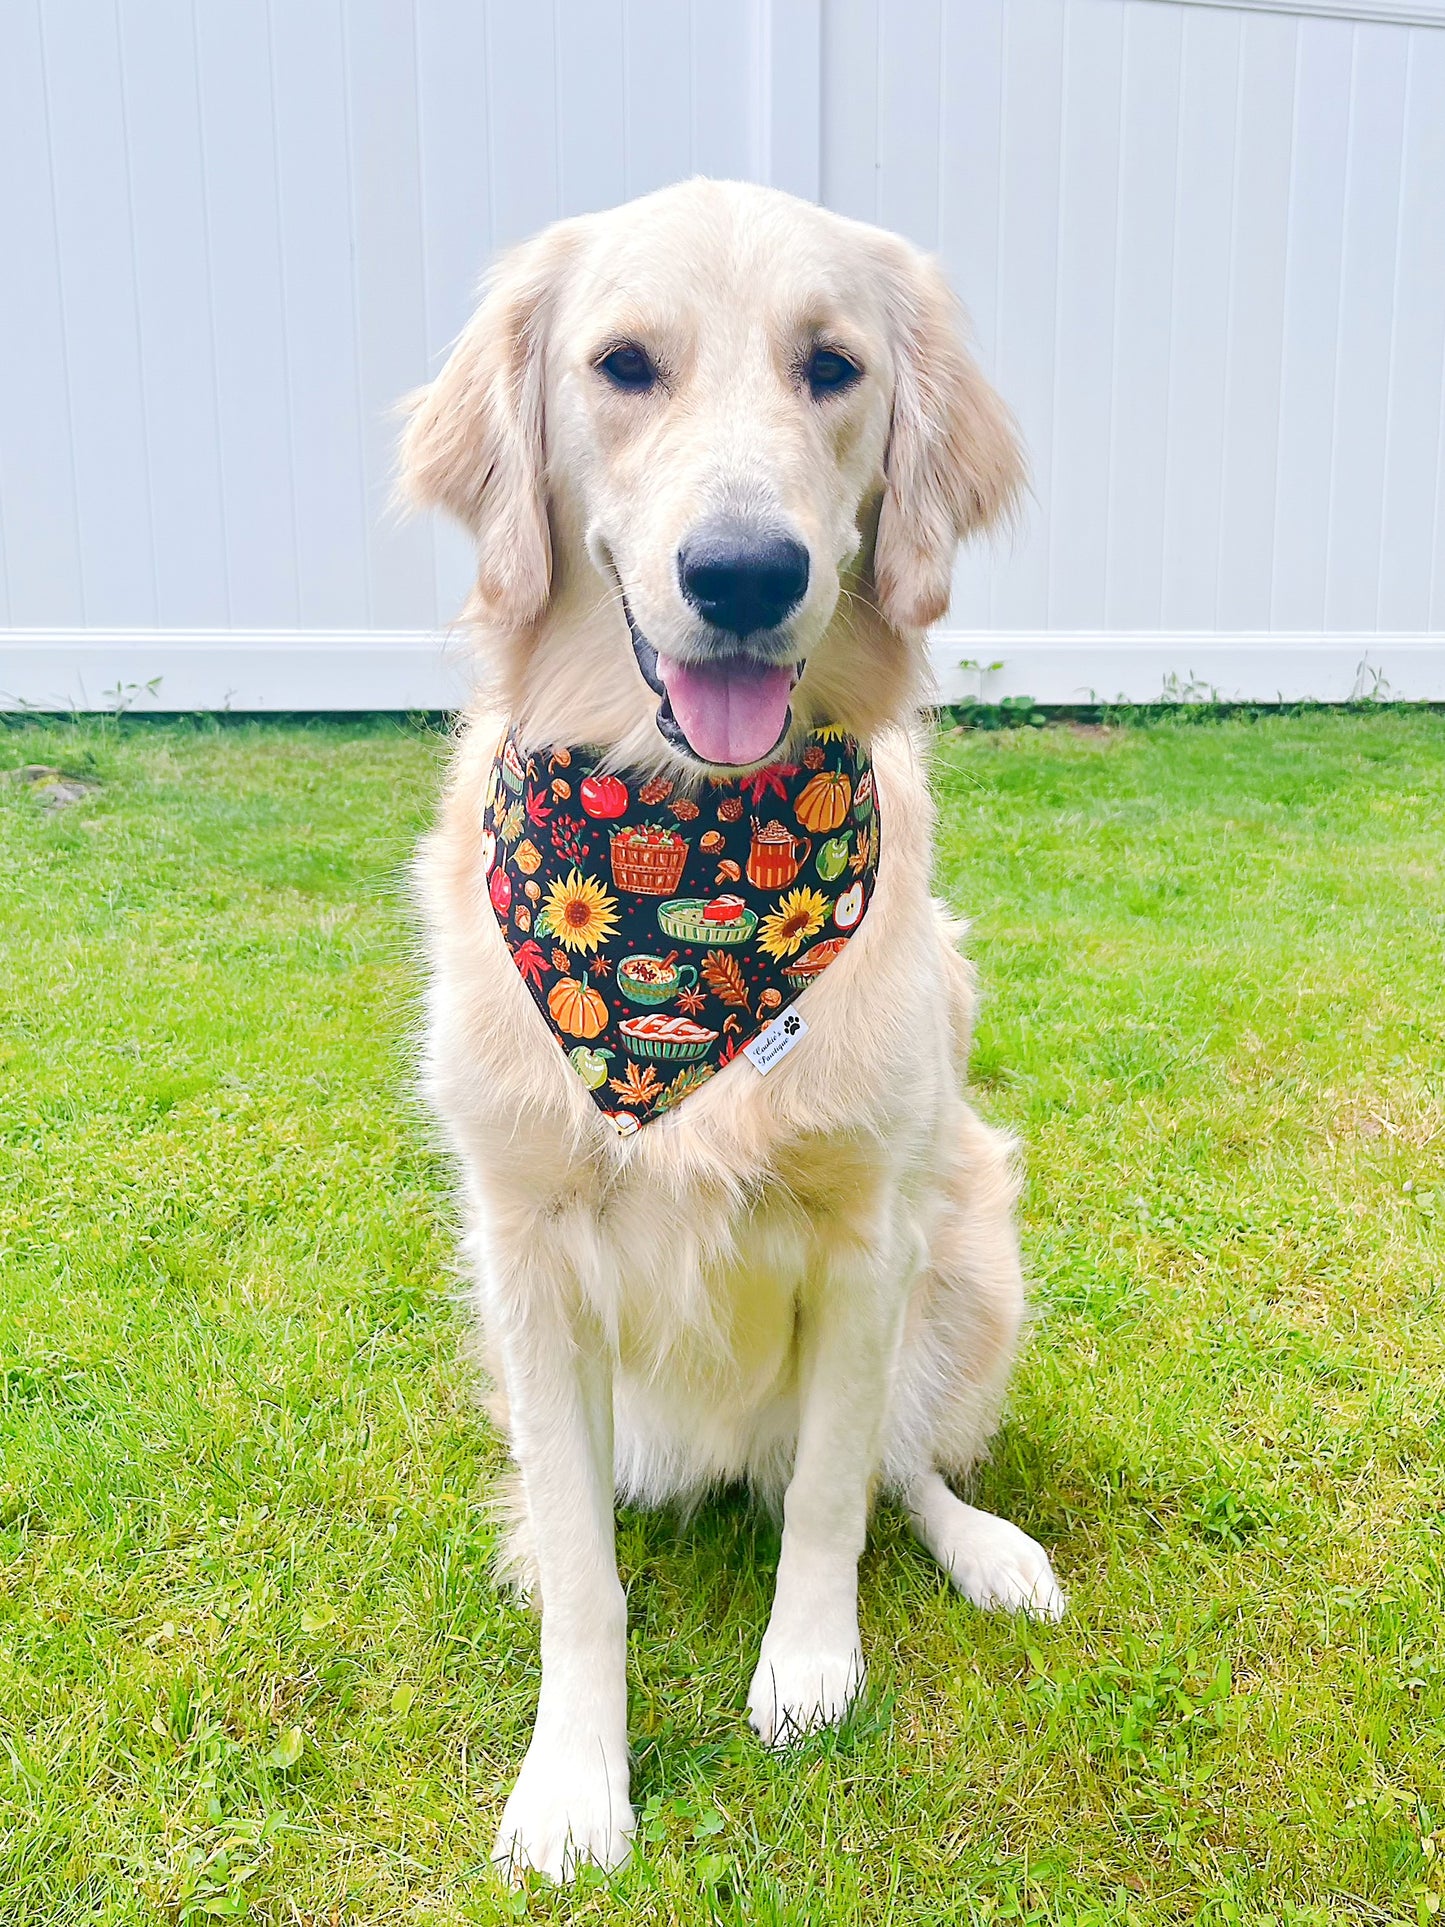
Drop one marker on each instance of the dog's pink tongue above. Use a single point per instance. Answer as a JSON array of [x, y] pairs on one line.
[[729, 712]]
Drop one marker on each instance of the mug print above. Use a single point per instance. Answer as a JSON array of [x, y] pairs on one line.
[[660, 925]]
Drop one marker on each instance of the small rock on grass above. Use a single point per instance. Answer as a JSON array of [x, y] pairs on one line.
[[53, 788]]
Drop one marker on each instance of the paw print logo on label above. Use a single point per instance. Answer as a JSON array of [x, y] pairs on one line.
[[775, 1040]]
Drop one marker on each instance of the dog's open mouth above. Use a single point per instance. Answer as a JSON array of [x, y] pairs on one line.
[[732, 710]]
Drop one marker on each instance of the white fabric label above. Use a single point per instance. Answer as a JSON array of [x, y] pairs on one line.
[[775, 1040]]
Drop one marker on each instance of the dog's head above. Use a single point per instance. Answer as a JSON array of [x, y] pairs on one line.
[[718, 448]]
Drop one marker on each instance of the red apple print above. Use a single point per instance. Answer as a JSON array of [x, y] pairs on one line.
[[603, 796], [500, 891]]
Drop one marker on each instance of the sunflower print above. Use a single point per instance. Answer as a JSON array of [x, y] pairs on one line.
[[799, 915], [687, 915], [579, 913]]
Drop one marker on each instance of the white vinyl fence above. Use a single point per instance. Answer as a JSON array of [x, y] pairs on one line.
[[1203, 246]]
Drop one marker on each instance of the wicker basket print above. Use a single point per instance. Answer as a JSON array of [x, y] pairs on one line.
[[650, 867]]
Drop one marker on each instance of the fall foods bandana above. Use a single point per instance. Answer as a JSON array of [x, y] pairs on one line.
[[660, 931]]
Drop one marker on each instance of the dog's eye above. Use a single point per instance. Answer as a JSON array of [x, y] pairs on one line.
[[628, 366], [826, 371]]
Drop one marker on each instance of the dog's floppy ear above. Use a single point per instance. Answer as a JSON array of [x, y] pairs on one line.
[[954, 464], [476, 441]]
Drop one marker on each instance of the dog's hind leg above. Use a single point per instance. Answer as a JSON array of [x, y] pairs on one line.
[[958, 1351], [990, 1561]]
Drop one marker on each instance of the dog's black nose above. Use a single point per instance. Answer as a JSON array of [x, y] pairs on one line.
[[742, 580]]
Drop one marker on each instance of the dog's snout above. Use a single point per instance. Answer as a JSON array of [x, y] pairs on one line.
[[742, 580]]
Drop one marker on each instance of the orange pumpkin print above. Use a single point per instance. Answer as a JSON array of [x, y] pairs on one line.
[[578, 1010], [824, 801]]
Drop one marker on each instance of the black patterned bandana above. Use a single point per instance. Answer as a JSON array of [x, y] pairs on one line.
[[662, 931]]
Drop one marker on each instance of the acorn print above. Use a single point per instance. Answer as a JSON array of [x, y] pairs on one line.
[[712, 842]]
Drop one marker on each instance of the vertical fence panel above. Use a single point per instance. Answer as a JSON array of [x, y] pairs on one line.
[[657, 98], [1024, 361], [724, 92], [909, 106], [1198, 323], [1313, 270], [1148, 190], [850, 107], [89, 168], [1254, 330], [40, 536], [1363, 349], [521, 107], [1411, 501], [968, 226], [1077, 484], [248, 305], [173, 307], [591, 84], [381, 86], [322, 321]]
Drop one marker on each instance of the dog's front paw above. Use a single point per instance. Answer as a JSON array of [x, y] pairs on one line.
[[799, 1687], [566, 1808], [1004, 1570]]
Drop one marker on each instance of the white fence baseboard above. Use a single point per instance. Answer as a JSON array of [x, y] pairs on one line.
[[168, 671]]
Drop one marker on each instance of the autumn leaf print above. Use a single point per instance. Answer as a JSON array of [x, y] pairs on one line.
[[772, 781], [683, 1085], [724, 978], [510, 827], [538, 808], [530, 961], [638, 1087]]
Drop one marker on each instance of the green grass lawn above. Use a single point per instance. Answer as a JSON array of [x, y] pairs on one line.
[[251, 1665]]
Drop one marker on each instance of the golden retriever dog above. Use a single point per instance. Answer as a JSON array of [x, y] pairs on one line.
[[717, 449]]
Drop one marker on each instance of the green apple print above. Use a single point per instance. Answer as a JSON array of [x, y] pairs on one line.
[[832, 858], [590, 1065]]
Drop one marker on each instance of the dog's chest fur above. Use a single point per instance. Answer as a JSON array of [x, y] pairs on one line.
[[697, 1242]]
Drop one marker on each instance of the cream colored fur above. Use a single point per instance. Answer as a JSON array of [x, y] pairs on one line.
[[809, 1281]]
